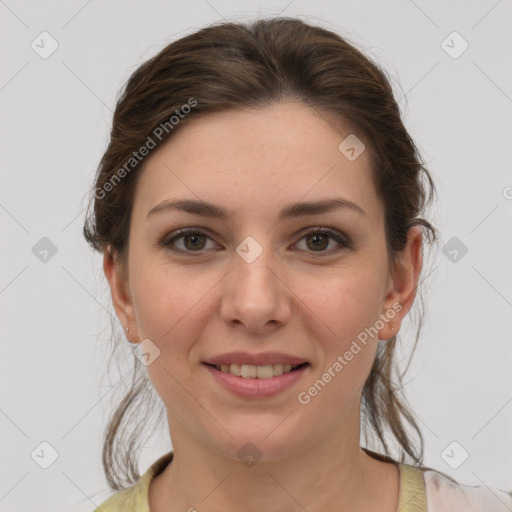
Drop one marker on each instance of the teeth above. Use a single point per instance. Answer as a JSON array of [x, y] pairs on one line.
[[277, 369], [250, 371], [234, 369], [264, 372]]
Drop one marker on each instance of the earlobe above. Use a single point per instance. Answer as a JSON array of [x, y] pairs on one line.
[[119, 290], [403, 282]]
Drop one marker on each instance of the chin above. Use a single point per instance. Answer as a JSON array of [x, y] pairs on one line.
[[260, 443]]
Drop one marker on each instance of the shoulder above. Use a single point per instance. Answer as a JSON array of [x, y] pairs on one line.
[[136, 497], [122, 500], [444, 494]]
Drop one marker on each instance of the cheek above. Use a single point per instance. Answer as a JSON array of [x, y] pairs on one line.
[[345, 356], [170, 310], [346, 302], [346, 308], [168, 305]]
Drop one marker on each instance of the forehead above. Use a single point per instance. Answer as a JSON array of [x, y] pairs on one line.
[[257, 158]]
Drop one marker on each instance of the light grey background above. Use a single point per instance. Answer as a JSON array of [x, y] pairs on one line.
[[55, 116]]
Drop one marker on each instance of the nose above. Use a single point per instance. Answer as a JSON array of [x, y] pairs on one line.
[[255, 295]]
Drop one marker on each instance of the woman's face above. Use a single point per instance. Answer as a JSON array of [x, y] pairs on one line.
[[255, 282]]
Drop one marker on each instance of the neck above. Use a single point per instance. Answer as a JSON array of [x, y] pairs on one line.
[[332, 474]]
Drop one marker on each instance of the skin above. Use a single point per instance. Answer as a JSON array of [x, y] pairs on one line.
[[309, 302]]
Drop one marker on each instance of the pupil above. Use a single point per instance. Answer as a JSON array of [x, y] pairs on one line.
[[316, 238], [194, 237]]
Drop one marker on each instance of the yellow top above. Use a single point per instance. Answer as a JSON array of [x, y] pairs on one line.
[[411, 496]]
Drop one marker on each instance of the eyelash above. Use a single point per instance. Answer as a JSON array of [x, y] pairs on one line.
[[335, 235]]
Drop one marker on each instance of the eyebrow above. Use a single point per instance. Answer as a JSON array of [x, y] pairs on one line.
[[294, 210]]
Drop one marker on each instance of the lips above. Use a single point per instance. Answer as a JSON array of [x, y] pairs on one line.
[[256, 386], [261, 359], [249, 371], [256, 376]]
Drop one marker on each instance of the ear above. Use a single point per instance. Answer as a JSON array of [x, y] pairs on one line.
[[117, 278], [402, 283]]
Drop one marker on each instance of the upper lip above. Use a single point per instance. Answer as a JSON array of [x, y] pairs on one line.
[[260, 359]]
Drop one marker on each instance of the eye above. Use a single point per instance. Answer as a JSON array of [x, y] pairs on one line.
[[317, 240], [194, 240]]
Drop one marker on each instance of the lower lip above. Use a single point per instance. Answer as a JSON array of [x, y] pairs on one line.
[[257, 388]]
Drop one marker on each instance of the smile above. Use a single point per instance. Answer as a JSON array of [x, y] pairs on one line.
[[256, 381], [250, 371]]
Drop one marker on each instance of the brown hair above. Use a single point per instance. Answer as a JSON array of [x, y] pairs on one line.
[[233, 65]]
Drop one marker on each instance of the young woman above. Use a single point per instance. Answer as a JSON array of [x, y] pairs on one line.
[[259, 208]]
